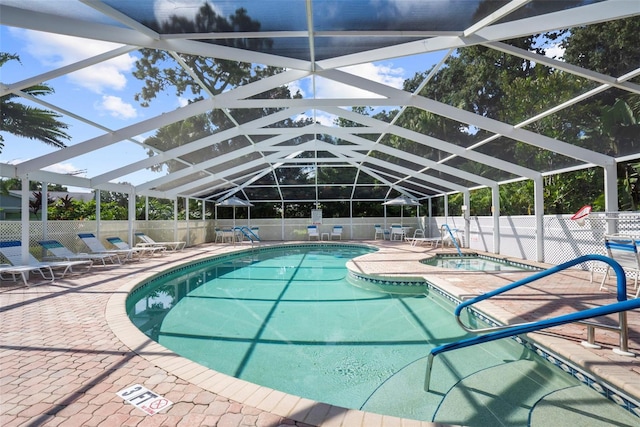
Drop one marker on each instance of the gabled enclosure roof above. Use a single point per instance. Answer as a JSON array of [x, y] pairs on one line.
[[312, 42]]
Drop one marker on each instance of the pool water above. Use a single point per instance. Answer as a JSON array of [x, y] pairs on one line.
[[475, 263], [288, 319]]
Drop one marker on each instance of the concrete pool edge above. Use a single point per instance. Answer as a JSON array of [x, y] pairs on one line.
[[295, 407]]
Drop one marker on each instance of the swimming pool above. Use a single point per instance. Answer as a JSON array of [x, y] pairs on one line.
[[476, 262], [287, 319]]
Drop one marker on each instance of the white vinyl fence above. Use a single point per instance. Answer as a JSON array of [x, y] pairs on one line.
[[563, 238]]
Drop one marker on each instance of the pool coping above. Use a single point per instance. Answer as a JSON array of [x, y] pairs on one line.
[[318, 413]]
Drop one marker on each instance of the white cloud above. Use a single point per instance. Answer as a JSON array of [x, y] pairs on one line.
[[182, 102], [298, 86], [163, 9], [53, 50], [555, 52], [321, 117], [381, 73], [116, 107], [65, 168]]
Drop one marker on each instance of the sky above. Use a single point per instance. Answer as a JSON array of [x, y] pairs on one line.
[[105, 92]]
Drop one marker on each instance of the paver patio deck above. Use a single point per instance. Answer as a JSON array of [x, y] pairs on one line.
[[67, 347]]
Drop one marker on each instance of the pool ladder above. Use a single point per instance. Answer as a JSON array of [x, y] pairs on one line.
[[498, 332]]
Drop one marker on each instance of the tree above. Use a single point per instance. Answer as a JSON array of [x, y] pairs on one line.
[[30, 122]]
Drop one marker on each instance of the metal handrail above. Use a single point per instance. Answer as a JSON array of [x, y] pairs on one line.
[[248, 233], [506, 331]]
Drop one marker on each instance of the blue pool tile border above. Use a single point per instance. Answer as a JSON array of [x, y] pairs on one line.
[[510, 262]]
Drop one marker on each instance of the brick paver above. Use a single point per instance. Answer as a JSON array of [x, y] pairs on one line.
[[62, 363]]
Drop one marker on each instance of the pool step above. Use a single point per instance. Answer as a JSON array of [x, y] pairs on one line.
[[498, 396], [531, 396], [579, 406]]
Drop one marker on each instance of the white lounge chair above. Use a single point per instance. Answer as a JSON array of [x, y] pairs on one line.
[[419, 239], [142, 250], [336, 231], [312, 231], [60, 251], [96, 247], [148, 241], [626, 251], [12, 251]]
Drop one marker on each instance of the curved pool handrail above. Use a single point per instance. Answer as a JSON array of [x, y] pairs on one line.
[[621, 287], [499, 332], [529, 327]]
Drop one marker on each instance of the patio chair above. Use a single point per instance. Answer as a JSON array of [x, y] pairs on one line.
[[626, 251], [397, 232], [312, 231], [142, 250], [12, 251], [148, 241], [336, 231], [60, 251], [96, 247], [382, 232]]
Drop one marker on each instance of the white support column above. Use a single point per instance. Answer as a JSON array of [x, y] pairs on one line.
[[146, 208], [175, 219], [45, 209], [495, 211], [429, 202], [98, 214], [611, 195], [186, 217], [446, 207], [351, 219], [25, 221], [131, 215], [466, 201], [282, 221], [538, 208]]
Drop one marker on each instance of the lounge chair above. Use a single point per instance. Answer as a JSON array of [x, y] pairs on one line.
[[143, 250], [419, 239], [148, 241], [626, 251], [60, 251], [336, 231], [312, 231], [12, 251], [96, 247]]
